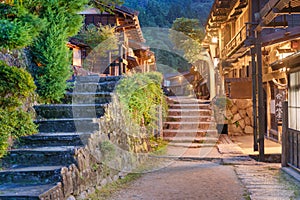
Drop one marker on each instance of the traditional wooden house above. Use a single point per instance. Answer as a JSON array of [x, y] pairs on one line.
[[248, 36], [257, 42], [131, 53]]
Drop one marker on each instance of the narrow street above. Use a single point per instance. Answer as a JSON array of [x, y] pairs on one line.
[[226, 175], [186, 180]]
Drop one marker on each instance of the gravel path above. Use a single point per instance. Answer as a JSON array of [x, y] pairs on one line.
[[186, 180]]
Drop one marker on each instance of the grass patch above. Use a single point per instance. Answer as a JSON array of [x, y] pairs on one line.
[[158, 146], [246, 195], [290, 183], [109, 189]]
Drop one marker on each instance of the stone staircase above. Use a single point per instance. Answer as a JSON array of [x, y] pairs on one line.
[[32, 169], [190, 123]]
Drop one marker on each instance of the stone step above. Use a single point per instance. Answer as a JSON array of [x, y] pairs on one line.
[[67, 125], [189, 133], [190, 112], [189, 125], [53, 139], [205, 140], [108, 86], [192, 145], [88, 97], [187, 100], [24, 191], [31, 175], [96, 79], [189, 106], [173, 118], [57, 111], [39, 156]]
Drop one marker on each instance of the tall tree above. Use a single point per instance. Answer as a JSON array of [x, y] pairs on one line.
[[187, 35], [49, 51]]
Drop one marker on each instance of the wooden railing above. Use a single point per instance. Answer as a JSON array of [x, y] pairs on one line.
[[235, 42]]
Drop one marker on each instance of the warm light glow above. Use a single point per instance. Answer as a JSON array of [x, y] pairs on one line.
[[214, 40], [284, 69], [216, 62], [283, 55]]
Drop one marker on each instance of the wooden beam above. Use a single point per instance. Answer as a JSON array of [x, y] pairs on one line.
[[287, 11], [219, 14], [269, 76], [273, 24]]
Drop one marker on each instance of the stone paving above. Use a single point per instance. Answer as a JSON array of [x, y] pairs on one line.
[[223, 173], [193, 180], [263, 181]]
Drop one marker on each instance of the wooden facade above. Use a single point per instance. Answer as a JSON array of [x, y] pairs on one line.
[[236, 25], [131, 54], [291, 113]]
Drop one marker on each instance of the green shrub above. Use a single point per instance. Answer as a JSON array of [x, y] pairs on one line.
[[18, 28], [16, 86], [141, 94], [14, 124]]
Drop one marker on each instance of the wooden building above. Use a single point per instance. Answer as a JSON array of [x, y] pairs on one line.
[[131, 54], [244, 35], [257, 43]]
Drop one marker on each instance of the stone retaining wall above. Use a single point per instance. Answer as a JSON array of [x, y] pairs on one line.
[[239, 117], [109, 154]]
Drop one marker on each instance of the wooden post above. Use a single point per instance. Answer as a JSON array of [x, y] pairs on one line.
[[109, 63], [120, 59], [160, 122], [254, 102], [285, 140], [261, 106]]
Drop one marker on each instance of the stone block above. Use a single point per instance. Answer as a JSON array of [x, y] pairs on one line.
[[103, 182], [236, 118], [248, 130], [248, 121], [243, 103], [234, 109], [91, 190], [242, 123], [249, 111], [83, 195], [71, 198], [234, 130], [243, 113]]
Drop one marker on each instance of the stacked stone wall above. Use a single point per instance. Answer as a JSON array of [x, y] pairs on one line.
[[239, 117], [117, 149]]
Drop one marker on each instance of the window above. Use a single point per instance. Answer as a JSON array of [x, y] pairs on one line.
[[294, 101]]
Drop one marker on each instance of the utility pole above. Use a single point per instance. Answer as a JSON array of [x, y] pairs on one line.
[[261, 105], [254, 101], [257, 80]]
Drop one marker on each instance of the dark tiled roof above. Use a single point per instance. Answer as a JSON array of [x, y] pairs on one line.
[[127, 10]]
